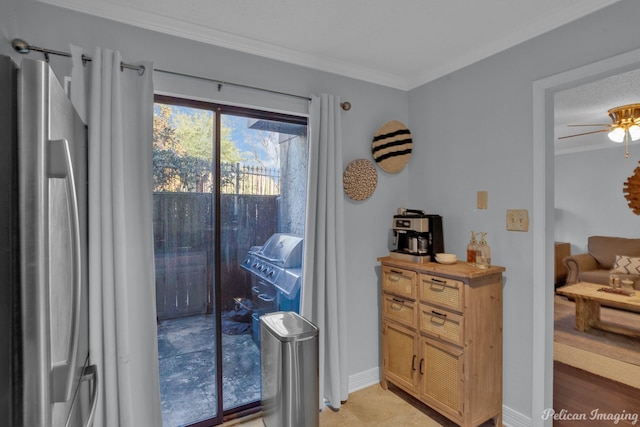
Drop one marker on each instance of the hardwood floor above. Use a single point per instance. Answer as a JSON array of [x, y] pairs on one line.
[[580, 394]]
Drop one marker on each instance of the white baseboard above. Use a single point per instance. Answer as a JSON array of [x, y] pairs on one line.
[[510, 417], [364, 379]]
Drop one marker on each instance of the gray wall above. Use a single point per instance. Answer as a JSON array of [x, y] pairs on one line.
[[589, 198], [294, 154], [472, 131], [7, 26]]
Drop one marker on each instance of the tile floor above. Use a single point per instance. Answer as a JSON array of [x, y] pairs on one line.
[[187, 383], [186, 353], [374, 407]]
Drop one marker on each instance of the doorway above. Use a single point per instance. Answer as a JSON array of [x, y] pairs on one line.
[[543, 215], [225, 179]]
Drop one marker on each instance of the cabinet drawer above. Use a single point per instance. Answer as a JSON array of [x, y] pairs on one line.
[[442, 324], [441, 291], [401, 310], [400, 282]]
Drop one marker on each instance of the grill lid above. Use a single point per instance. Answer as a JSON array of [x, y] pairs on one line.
[[283, 250], [278, 261]]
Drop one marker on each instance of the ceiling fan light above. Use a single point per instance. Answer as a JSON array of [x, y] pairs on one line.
[[634, 132], [617, 135]]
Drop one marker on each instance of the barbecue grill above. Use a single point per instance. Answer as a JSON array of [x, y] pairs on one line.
[[276, 276]]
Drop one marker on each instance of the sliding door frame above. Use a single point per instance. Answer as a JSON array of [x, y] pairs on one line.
[[215, 288]]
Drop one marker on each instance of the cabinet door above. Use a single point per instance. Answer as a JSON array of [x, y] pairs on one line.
[[441, 368], [399, 356]]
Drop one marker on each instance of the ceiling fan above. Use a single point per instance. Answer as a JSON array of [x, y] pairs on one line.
[[625, 124]]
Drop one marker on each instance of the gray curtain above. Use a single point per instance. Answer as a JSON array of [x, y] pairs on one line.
[[323, 291], [123, 335]]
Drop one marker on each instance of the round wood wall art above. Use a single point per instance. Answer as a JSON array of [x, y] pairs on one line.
[[360, 179], [392, 145], [631, 190]]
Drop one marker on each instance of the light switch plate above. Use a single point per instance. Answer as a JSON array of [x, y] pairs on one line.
[[517, 220], [483, 200]]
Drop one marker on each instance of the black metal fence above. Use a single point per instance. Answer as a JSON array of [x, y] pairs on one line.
[[246, 179]]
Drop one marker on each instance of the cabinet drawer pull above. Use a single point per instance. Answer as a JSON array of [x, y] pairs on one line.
[[413, 363], [438, 318], [396, 276], [437, 285], [396, 307], [421, 364]]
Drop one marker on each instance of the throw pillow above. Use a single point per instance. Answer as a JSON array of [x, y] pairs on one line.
[[626, 265]]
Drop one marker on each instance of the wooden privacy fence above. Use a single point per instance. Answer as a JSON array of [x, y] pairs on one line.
[[184, 247]]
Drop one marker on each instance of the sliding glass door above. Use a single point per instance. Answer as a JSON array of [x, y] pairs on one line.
[[184, 242], [226, 179]]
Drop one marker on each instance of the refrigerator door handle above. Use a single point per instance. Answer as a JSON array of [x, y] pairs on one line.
[[91, 374], [63, 373]]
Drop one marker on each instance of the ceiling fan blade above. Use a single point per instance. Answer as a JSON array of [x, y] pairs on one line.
[[601, 124], [585, 133]]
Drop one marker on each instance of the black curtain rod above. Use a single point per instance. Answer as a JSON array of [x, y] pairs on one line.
[[23, 47]]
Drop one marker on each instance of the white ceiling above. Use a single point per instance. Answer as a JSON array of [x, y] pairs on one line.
[[588, 104], [396, 43]]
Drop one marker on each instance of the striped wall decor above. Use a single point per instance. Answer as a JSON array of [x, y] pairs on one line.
[[392, 146]]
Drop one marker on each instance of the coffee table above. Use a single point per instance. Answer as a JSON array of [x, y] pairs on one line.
[[588, 301]]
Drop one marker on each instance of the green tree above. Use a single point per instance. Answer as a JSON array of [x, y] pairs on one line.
[[166, 151], [183, 148]]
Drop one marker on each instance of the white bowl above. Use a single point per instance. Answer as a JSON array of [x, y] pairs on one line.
[[443, 258]]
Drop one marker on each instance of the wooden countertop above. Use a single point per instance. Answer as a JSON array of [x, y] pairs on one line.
[[459, 269]]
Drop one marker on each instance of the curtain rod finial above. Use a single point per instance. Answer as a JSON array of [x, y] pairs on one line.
[[21, 46]]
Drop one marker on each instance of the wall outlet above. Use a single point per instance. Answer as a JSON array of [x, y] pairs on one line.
[[517, 220]]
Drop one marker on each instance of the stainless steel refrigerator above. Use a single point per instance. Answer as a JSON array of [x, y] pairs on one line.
[[45, 376]]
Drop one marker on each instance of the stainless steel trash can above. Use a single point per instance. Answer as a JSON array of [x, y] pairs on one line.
[[289, 353]]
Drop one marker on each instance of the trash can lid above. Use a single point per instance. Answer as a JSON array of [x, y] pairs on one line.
[[289, 326]]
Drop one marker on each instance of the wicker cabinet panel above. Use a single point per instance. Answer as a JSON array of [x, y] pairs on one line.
[[399, 356], [400, 310], [442, 291], [399, 281], [443, 382], [441, 324]]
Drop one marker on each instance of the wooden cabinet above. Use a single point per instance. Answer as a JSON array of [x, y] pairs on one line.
[[442, 337]]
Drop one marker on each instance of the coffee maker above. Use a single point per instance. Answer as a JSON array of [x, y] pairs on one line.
[[417, 236]]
